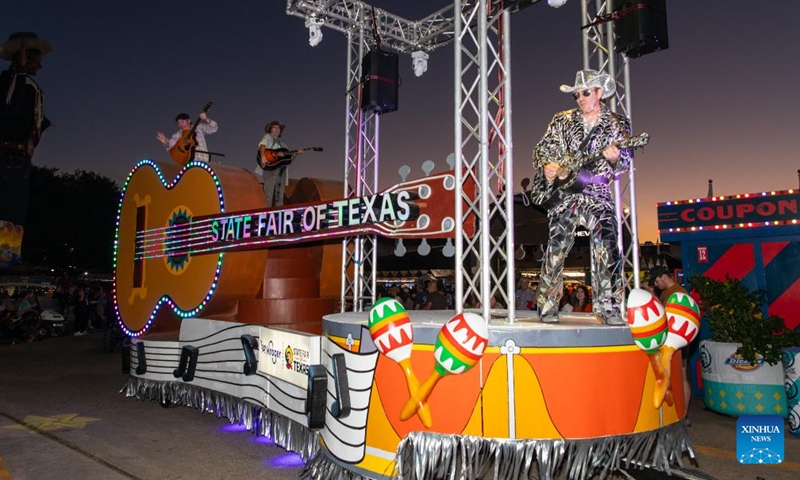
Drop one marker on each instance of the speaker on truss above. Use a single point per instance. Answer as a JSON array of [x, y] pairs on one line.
[[641, 27], [380, 81]]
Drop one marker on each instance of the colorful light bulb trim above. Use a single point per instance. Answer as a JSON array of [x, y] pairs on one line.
[[741, 211], [166, 298], [729, 197]]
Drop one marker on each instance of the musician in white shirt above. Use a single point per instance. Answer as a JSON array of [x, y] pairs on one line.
[[205, 126], [274, 178]]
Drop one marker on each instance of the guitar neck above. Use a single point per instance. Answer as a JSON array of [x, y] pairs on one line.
[[393, 213], [199, 119]]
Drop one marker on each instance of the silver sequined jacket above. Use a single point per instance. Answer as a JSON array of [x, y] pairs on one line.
[[564, 136]]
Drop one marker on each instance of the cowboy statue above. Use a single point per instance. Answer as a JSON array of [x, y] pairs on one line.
[[22, 123], [583, 139]]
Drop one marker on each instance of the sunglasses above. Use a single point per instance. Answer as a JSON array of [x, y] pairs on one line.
[[585, 93]]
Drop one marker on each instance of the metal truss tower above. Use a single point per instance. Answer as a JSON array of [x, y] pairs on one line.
[[484, 146], [480, 31], [599, 54], [366, 27], [483, 143]]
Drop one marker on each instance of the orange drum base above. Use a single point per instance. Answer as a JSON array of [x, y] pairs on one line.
[[570, 382]]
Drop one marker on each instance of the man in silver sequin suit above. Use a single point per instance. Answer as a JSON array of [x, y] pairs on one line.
[[573, 136]]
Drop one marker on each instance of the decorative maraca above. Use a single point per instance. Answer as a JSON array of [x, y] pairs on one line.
[[459, 345], [393, 334], [683, 320], [648, 321]]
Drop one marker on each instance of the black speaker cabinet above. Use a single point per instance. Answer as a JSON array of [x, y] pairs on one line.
[[641, 28], [379, 70]]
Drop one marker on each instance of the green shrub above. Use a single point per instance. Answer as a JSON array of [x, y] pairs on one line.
[[735, 315]]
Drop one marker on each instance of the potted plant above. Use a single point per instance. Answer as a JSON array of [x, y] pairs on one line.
[[741, 363]]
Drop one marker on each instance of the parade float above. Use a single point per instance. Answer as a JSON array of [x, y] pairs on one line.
[[261, 316]]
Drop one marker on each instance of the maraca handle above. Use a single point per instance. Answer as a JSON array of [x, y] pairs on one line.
[[413, 392], [424, 392], [667, 352], [662, 380]]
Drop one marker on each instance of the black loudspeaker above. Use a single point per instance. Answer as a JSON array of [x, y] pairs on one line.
[[641, 27], [379, 70]]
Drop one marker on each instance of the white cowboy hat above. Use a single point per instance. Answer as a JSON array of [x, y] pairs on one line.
[[592, 78], [17, 40]]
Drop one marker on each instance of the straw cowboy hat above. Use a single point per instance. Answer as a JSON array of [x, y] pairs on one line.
[[271, 124], [592, 78], [30, 40]]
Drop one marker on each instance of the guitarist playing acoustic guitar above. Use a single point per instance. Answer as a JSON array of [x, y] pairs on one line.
[[273, 177], [188, 138]]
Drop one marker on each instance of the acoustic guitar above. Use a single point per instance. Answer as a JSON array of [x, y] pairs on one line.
[[549, 194], [278, 157], [183, 150], [194, 243]]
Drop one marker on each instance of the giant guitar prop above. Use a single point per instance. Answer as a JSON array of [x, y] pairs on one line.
[[195, 244]]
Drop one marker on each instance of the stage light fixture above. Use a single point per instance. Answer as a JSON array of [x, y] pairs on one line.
[[556, 3], [419, 61], [314, 26]]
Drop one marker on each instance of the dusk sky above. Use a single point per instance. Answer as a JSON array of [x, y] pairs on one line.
[[721, 103]]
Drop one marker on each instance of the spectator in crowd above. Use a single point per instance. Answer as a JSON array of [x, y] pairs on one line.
[[435, 300], [524, 297], [581, 302]]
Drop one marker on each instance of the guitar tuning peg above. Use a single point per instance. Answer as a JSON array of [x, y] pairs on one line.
[[427, 167], [404, 171], [449, 249], [539, 258], [451, 161], [424, 249], [399, 249]]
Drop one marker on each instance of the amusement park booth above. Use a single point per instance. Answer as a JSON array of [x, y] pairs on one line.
[[752, 237]]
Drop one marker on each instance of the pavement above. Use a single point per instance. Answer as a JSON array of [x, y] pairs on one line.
[[62, 418]]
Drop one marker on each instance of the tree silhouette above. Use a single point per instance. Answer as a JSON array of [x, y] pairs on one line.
[[71, 220]]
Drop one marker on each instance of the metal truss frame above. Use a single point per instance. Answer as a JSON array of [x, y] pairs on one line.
[[480, 31], [599, 54], [484, 187], [395, 32], [362, 129], [360, 253]]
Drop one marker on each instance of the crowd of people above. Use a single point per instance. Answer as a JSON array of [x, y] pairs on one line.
[[422, 295], [432, 294], [85, 307]]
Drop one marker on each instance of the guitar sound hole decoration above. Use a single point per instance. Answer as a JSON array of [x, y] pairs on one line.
[[176, 239]]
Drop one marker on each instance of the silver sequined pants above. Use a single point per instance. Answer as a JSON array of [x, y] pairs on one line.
[[599, 219]]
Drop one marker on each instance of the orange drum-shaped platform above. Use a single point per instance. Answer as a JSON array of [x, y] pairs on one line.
[[534, 381]]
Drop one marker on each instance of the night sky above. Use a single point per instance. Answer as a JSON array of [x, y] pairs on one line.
[[721, 103]]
